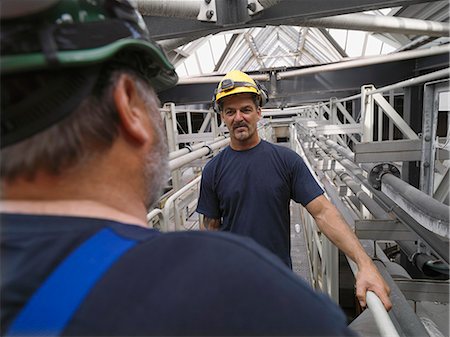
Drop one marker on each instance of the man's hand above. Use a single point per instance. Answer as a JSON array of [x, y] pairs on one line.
[[368, 278], [333, 225], [209, 224]]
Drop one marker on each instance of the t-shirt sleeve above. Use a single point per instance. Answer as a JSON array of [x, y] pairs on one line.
[[304, 186], [208, 201]]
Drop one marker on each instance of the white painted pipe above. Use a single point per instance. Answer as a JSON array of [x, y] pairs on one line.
[[361, 62], [183, 160], [382, 23], [443, 73], [216, 79], [172, 8], [183, 151], [380, 315]]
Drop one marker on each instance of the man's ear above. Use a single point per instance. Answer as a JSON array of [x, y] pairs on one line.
[[131, 109], [259, 113]]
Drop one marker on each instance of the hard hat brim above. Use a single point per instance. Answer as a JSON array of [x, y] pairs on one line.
[[235, 91], [165, 78]]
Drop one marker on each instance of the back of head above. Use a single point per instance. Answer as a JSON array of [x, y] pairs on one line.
[[59, 60]]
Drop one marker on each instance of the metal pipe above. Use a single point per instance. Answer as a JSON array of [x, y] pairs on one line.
[[171, 44], [430, 213], [367, 201], [375, 209], [360, 62], [438, 244], [443, 73], [172, 8], [380, 315], [426, 263], [401, 311], [217, 79], [382, 23], [186, 150], [268, 3], [342, 150], [407, 83], [435, 242], [185, 109], [183, 160]]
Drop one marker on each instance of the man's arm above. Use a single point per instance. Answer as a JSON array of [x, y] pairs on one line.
[[332, 224], [209, 224]]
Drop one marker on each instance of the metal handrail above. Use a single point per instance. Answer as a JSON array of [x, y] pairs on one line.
[[203, 151], [155, 212], [381, 317], [170, 201]]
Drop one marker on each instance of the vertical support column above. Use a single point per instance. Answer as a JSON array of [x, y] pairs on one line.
[[380, 124], [214, 125], [333, 117], [367, 114], [356, 106], [171, 128], [391, 125], [429, 132], [189, 122], [429, 122], [172, 132], [333, 109], [412, 114], [321, 117]]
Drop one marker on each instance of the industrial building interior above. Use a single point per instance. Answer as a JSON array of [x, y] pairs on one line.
[[359, 89]]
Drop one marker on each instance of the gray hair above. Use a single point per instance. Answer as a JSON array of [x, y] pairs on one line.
[[88, 131]]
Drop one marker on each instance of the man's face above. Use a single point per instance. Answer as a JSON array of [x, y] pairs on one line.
[[241, 116]]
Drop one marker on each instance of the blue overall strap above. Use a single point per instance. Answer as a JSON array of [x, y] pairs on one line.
[[52, 305]]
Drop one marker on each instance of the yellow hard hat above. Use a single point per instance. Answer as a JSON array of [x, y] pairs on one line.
[[238, 82]]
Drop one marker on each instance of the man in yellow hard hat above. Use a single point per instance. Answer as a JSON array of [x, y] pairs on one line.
[[246, 189], [84, 157]]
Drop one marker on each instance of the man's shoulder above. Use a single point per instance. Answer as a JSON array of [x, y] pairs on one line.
[[282, 152], [209, 275], [217, 158], [214, 244], [186, 282]]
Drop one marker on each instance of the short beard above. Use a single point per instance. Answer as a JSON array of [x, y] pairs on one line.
[[156, 163], [156, 170]]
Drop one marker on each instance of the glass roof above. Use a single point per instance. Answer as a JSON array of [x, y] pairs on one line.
[[256, 48]]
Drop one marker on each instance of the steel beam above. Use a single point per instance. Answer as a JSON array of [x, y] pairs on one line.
[[315, 87], [424, 290], [340, 129], [383, 230], [386, 151], [233, 14]]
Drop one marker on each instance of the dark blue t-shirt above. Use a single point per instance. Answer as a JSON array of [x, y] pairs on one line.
[[250, 192], [184, 283]]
